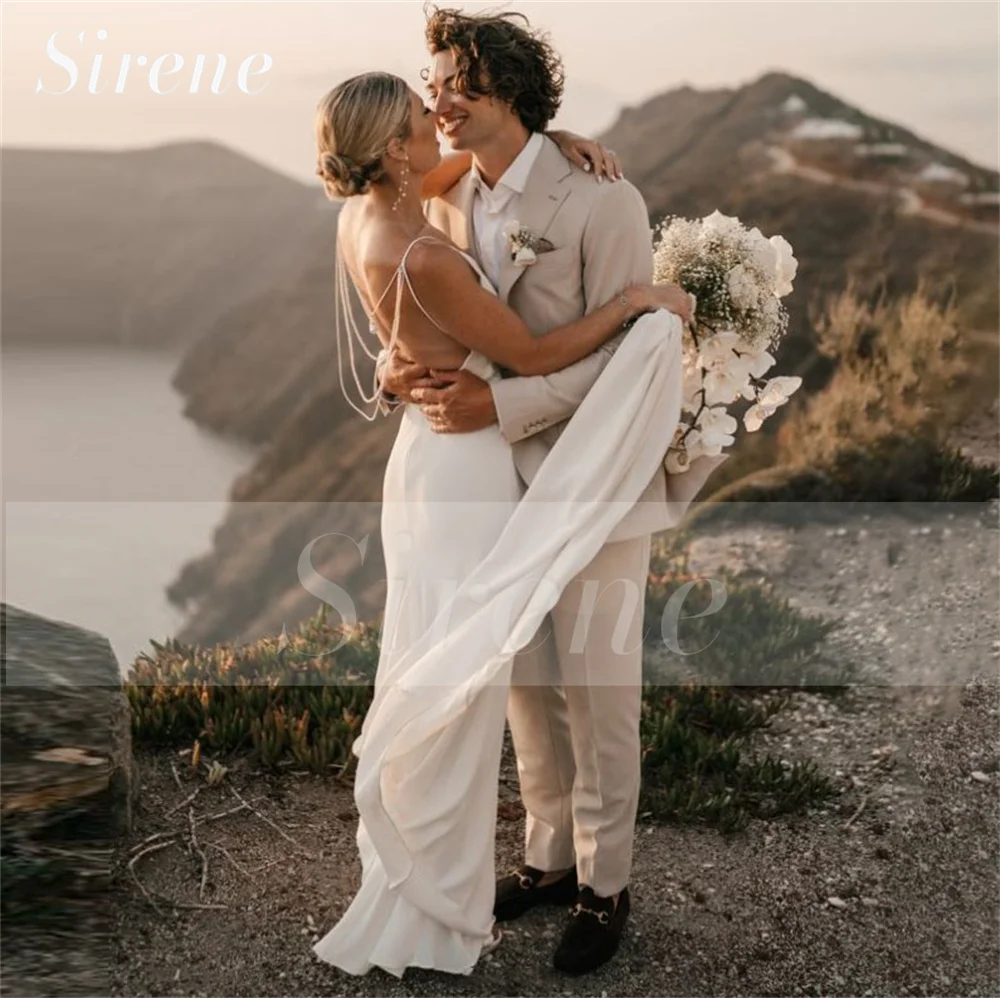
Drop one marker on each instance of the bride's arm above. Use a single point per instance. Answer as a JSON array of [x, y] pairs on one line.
[[588, 154], [445, 175], [453, 298], [585, 153]]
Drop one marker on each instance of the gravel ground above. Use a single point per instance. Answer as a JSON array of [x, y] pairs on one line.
[[892, 889]]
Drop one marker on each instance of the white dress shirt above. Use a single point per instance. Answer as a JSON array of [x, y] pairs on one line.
[[492, 209]]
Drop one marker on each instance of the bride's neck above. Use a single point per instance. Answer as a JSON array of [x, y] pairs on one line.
[[407, 211]]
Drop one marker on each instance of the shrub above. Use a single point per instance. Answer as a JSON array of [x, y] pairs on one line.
[[757, 640], [895, 365], [302, 698]]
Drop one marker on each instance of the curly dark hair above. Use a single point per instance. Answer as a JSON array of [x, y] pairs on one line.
[[500, 58]]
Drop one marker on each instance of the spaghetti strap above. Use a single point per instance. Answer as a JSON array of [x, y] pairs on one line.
[[402, 272], [400, 278], [406, 277]]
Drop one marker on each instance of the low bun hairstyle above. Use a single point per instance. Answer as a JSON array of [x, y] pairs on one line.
[[355, 122]]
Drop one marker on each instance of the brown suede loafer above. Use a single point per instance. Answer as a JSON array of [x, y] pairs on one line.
[[519, 892], [595, 928]]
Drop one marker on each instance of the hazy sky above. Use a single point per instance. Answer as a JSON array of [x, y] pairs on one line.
[[930, 66]]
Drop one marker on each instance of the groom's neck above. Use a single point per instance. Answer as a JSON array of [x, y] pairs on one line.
[[492, 160]]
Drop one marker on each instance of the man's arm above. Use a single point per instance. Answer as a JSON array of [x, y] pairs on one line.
[[617, 251]]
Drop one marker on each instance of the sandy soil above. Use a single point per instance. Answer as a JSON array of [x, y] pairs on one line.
[[892, 889]]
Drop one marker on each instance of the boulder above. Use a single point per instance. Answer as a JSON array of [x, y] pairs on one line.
[[68, 783]]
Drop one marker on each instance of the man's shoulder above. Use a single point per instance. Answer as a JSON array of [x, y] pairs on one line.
[[606, 194], [590, 193]]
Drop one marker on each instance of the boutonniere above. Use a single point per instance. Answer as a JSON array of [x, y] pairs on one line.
[[524, 244]]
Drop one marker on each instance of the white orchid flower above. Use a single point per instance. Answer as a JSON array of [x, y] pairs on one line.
[[725, 372], [774, 394], [722, 387], [787, 266], [760, 362], [720, 346], [753, 418], [715, 430], [779, 390], [694, 444]]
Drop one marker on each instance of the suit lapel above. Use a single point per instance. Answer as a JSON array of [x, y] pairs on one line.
[[458, 204], [543, 196], [466, 192]]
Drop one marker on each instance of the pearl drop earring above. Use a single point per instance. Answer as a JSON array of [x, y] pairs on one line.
[[404, 183]]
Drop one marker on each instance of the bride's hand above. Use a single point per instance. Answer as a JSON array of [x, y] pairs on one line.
[[587, 154], [650, 297]]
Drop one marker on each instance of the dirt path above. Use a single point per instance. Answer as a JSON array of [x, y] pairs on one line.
[[910, 202], [891, 890]]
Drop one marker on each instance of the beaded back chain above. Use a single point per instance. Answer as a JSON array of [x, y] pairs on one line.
[[347, 326]]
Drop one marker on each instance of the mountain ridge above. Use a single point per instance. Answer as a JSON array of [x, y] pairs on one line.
[[323, 455], [260, 362], [98, 246]]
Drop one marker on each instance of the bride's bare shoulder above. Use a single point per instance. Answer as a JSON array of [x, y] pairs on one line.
[[433, 257]]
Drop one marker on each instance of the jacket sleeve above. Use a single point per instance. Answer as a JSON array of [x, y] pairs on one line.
[[616, 251]]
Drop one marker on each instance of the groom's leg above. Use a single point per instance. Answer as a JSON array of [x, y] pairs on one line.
[[539, 727], [598, 626]]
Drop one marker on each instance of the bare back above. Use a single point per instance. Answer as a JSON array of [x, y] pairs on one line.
[[373, 251]]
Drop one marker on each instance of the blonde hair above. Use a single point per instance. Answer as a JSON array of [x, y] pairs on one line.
[[355, 122]]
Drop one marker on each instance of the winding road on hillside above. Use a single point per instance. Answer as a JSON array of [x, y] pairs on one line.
[[911, 203]]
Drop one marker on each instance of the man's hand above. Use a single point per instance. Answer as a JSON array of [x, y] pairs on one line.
[[400, 376], [463, 405]]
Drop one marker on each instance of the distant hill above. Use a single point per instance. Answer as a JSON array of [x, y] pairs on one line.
[[858, 198], [148, 247], [687, 145], [195, 244]]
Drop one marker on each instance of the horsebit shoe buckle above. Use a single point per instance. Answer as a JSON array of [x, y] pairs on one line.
[[602, 916], [526, 882]]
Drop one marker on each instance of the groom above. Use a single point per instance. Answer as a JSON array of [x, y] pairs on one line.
[[574, 706]]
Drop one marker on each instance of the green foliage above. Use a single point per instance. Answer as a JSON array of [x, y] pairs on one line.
[[905, 468], [695, 767], [755, 639], [303, 698], [898, 468]]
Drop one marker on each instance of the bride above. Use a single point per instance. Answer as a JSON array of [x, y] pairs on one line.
[[470, 570]]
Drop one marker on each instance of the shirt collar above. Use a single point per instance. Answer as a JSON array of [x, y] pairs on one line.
[[515, 177]]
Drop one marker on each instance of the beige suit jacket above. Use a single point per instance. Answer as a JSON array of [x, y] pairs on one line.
[[602, 243]]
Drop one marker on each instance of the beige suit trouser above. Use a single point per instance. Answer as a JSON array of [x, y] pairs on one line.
[[574, 710]]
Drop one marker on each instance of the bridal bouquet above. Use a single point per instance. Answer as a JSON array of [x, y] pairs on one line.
[[738, 278]]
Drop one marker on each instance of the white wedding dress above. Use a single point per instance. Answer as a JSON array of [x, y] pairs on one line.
[[472, 571]]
